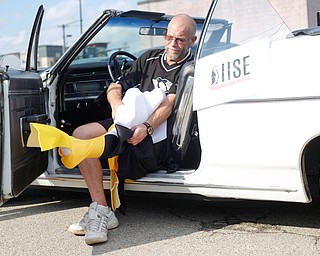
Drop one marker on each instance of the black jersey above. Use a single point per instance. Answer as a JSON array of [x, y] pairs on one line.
[[151, 71]]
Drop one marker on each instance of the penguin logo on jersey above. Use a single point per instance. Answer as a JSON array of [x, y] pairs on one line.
[[161, 83]]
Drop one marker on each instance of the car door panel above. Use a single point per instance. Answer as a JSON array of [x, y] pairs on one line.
[[22, 96], [25, 99]]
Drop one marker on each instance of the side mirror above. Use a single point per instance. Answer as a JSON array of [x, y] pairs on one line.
[[11, 61]]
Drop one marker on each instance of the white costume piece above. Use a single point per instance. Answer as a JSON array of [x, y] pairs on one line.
[[136, 109]]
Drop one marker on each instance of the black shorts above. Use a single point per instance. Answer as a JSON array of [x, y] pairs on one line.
[[106, 123], [135, 161]]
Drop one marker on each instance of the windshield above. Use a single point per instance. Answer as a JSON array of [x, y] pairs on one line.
[[122, 33], [133, 35], [241, 22]]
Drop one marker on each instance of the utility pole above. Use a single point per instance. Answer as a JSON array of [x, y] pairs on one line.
[[80, 10], [63, 26]]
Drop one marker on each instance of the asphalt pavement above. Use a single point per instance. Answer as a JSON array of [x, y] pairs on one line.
[[36, 224]]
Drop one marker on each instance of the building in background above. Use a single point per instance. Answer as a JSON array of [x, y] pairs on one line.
[[48, 55], [300, 14], [195, 8]]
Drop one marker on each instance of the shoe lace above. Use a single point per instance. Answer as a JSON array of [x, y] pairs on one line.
[[98, 224], [84, 220]]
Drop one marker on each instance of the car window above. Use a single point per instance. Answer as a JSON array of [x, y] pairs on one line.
[[123, 33]]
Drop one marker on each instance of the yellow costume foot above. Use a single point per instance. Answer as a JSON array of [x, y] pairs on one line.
[[47, 137], [80, 150], [73, 151]]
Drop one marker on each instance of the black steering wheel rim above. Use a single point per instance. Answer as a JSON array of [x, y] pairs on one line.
[[117, 68]]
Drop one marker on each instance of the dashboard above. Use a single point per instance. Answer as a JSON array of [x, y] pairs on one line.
[[82, 97], [83, 94]]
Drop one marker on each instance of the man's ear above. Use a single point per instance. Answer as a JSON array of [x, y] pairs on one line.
[[194, 39]]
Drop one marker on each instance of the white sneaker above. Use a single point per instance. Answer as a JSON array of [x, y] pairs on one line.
[[79, 229], [97, 230]]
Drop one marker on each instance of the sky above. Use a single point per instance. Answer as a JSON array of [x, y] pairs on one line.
[[17, 18]]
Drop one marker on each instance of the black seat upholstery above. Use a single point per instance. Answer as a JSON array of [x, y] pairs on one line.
[[185, 135]]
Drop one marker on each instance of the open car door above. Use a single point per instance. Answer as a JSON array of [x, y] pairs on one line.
[[22, 101]]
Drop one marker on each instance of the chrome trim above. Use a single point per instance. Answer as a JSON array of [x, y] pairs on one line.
[[147, 182], [274, 99]]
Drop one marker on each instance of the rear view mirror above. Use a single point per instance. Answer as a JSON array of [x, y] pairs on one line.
[[152, 31]]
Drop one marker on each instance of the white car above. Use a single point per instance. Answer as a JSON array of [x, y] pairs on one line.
[[246, 110]]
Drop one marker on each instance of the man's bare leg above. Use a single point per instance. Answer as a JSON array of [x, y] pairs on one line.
[[91, 171], [99, 218], [91, 168]]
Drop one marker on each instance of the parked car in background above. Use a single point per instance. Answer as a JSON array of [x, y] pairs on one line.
[[245, 109]]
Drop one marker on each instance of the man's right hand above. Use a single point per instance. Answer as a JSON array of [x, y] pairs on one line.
[[114, 108], [114, 97]]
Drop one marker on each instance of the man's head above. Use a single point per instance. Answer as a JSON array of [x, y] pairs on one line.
[[180, 36]]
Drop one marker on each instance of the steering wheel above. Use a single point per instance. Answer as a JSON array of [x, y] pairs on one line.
[[117, 68]]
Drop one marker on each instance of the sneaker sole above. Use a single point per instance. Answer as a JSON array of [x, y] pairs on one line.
[[82, 232], [77, 232], [113, 225], [76, 229], [95, 240]]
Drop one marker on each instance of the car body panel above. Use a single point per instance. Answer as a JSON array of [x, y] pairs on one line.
[[1, 135], [261, 101]]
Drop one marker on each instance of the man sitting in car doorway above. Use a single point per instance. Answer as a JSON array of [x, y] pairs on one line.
[[140, 155]]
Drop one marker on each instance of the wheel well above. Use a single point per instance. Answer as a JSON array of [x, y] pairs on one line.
[[311, 166]]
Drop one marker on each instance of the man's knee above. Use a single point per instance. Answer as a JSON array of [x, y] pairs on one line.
[[78, 132], [89, 131]]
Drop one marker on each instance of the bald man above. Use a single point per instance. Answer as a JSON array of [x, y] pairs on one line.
[[147, 150]]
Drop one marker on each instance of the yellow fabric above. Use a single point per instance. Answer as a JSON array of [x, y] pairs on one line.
[[48, 137], [114, 181], [82, 149]]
